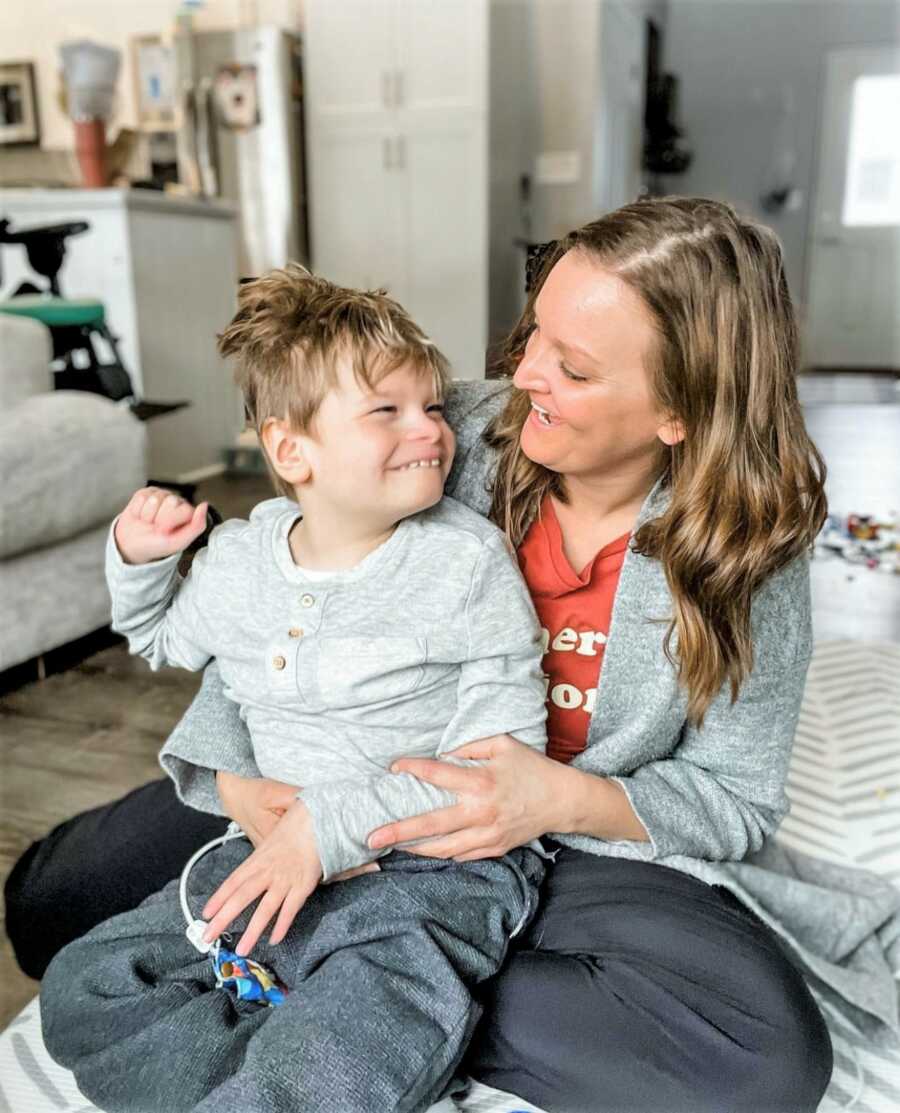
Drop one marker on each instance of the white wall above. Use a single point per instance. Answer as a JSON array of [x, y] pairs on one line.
[[32, 30], [512, 141], [548, 73], [740, 63]]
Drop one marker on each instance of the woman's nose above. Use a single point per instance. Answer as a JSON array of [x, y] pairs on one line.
[[529, 374]]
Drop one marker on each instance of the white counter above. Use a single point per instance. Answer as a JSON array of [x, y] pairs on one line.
[[165, 268]]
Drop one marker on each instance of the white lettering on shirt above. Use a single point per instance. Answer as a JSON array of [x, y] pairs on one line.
[[565, 640], [566, 696], [585, 644]]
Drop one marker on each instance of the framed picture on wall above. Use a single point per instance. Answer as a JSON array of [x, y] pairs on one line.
[[154, 78], [19, 122]]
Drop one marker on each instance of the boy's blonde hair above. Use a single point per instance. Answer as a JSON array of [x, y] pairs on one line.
[[291, 330]]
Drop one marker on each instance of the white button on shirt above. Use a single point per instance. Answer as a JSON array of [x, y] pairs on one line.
[[307, 600]]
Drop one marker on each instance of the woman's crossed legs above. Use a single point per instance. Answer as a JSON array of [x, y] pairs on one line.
[[639, 989]]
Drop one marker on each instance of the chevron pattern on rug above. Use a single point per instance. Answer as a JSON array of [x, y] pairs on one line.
[[844, 786]]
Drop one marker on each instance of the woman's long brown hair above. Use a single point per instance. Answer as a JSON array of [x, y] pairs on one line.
[[746, 483]]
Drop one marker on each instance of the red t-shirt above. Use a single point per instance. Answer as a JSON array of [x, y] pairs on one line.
[[574, 611]]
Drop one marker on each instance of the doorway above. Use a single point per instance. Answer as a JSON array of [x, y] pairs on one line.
[[853, 318]]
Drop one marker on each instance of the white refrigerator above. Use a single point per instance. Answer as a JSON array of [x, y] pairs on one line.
[[241, 136]]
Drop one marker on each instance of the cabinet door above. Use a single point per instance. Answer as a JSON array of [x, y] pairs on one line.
[[442, 55], [350, 57], [357, 196], [445, 210]]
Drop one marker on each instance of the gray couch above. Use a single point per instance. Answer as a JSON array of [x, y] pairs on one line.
[[68, 462]]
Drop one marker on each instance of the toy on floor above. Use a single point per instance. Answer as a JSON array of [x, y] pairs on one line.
[[861, 539]]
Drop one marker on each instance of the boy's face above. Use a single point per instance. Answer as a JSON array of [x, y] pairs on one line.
[[383, 453]]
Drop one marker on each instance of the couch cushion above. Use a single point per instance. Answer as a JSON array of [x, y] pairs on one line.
[[51, 596], [69, 461], [25, 351]]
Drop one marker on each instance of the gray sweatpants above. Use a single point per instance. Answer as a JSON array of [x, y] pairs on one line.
[[380, 971]]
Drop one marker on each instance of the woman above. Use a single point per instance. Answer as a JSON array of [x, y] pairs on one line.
[[651, 466]]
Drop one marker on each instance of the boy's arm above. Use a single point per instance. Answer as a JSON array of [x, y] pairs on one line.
[[501, 684], [151, 605], [501, 691]]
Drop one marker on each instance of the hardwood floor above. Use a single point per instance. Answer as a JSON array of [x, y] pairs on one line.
[[89, 734]]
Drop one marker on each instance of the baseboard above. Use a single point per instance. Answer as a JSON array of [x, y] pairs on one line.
[[57, 660], [199, 474]]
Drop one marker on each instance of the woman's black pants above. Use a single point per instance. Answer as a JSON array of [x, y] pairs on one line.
[[637, 988]]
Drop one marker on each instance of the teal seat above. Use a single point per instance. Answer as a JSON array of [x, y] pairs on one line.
[[55, 312]]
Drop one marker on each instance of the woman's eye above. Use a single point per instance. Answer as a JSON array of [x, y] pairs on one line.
[[571, 374]]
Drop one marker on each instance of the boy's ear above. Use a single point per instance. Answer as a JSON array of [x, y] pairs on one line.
[[285, 449]]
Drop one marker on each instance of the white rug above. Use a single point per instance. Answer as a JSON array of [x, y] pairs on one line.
[[844, 785]]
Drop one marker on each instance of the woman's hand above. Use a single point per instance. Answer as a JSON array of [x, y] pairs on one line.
[[283, 870], [511, 799], [256, 803]]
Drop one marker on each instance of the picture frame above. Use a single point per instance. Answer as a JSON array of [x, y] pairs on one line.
[[153, 66], [19, 121]]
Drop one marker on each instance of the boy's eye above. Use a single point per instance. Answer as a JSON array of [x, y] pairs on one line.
[[385, 410], [437, 407]]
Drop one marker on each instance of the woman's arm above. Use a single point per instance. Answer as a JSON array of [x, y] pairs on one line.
[[210, 736], [515, 795], [717, 796], [721, 792]]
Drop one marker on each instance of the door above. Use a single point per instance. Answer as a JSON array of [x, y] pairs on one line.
[[357, 201], [853, 317], [445, 213]]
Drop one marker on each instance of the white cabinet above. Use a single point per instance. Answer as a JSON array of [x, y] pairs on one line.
[[442, 50], [373, 56], [349, 58], [166, 271], [357, 210], [396, 104]]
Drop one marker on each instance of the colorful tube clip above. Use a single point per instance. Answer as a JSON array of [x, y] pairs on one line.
[[249, 980]]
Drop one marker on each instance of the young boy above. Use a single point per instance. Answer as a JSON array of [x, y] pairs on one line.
[[361, 618]]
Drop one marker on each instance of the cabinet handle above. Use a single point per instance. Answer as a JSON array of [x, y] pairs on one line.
[[386, 153], [401, 152]]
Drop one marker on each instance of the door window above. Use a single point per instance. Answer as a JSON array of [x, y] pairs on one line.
[[872, 188]]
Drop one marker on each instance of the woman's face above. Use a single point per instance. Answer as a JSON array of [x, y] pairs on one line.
[[584, 367]]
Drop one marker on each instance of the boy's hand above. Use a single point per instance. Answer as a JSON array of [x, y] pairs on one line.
[[157, 524], [283, 870]]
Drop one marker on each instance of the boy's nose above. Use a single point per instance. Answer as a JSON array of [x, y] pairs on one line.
[[425, 428]]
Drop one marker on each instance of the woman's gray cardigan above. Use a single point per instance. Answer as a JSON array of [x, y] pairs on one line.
[[710, 798]]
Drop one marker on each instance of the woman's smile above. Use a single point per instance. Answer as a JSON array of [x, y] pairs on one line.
[[543, 418]]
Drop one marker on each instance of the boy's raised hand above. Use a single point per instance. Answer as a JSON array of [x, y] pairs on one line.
[[157, 524]]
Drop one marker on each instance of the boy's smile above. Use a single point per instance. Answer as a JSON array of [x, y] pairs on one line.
[[375, 456]]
